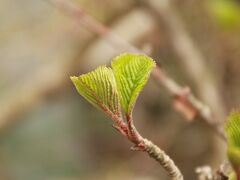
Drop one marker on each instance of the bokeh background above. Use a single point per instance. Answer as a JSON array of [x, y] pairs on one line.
[[49, 132]]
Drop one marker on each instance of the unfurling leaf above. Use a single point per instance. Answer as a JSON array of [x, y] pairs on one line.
[[232, 128], [99, 88], [131, 72]]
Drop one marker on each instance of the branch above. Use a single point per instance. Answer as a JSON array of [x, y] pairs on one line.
[[189, 105], [159, 155], [194, 63], [142, 144], [77, 13], [206, 172]]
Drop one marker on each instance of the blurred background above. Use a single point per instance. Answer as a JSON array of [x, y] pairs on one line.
[[49, 132]]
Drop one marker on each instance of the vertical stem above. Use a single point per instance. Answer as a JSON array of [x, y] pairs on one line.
[[132, 131]]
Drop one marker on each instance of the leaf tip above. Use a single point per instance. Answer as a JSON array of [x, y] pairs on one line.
[[74, 79], [131, 56], [131, 72]]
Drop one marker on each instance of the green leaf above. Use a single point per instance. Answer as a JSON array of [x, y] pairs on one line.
[[232, 129], [99, 88], [131, 72], [234, 156]]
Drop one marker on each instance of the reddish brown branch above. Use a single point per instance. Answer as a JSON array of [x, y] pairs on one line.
[[92, 24], [192, 59], [190, 104]]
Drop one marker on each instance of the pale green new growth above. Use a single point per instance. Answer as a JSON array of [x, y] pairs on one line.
[[99, 88], [131, 72], [232, 128], [127, 78]]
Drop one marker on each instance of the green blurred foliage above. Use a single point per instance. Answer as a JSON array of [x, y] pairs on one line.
[[226, 13], [232, 128]]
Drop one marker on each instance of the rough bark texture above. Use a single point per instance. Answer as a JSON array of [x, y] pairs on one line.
[[163, 159]]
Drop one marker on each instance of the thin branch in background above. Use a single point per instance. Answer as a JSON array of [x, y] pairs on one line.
[[76, 12], [191, 58], [189, 105]]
